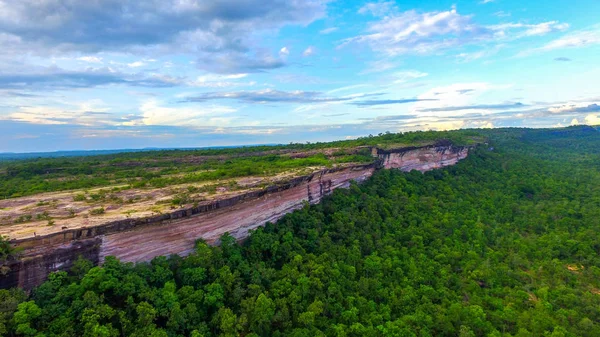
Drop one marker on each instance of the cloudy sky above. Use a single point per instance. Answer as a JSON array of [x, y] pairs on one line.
[[106, 74]]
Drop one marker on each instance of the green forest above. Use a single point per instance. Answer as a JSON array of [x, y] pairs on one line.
[[505, 243]]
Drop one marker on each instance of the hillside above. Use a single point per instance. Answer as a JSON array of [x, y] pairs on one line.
[[504, 243]]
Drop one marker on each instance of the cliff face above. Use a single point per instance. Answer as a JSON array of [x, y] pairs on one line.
[[422, 159], [136, 240], [178, 237]]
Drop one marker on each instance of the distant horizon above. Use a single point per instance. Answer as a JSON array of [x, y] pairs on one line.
[[143, 149], [4, 155]]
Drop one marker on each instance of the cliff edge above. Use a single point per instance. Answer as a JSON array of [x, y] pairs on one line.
[[141, 239]]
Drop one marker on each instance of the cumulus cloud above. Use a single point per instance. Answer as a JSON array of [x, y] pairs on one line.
[[108, 24], [225, 28], [592, 119], [412, 32]]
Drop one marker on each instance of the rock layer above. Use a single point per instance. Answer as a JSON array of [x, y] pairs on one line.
[[422, 159], [137, 240], [178, 237]]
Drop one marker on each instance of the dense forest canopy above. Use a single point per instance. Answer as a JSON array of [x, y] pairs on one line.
[[505, 243]]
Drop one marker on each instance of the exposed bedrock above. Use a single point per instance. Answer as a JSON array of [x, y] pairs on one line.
[[422, 159], [137, 240]]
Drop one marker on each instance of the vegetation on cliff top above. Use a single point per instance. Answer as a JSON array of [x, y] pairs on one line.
[[6, 249], [155, 169], [505, 243]]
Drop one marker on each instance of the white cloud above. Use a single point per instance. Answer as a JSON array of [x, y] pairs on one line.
[[136, 64], [579, 39], [91, 59], [486, 1], [437, 125], [527, 30], [563, 108], [379, 66], [502, 14], [219, 81], [545, 28], [405, 76], [458, 94], [412, 32], [309, 51], [155, 114], [88, 113], [592, 119], [328, 30], [485, 53], [468, 57], [381, 8], [250, 130]]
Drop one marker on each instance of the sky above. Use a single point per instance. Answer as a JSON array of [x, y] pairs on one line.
[[113, 74]]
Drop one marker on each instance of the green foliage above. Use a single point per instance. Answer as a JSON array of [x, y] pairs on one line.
[[97, 211], [505, 243], [79, 197], [6, 250], [9, 301]]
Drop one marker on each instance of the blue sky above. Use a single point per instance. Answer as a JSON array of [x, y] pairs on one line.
[[109, 74]]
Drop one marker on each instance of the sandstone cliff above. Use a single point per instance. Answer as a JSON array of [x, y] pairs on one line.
[[136, 240], [423, 158]]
